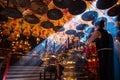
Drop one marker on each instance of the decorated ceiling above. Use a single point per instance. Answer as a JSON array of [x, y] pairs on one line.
[[35, 20]]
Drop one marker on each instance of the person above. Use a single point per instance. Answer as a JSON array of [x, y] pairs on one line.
[[104, 45]]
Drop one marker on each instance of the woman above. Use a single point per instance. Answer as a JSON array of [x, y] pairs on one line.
[[104, 45]]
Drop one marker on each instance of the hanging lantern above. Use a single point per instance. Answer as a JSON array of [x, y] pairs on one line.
[[35, 31], [7, 26], [11, 37], [6, 33], [43, 33], [26, 26], [26, 33], [35, 34], [17, 30]]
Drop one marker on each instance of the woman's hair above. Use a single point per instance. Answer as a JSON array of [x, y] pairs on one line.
[[118, 18], [101, 24]]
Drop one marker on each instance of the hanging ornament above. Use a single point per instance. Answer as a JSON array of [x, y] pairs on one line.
[[26, 33], [6, 33], [43, 33], [11, 37]]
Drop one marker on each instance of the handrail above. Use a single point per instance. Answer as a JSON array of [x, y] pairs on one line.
[[7, 65]]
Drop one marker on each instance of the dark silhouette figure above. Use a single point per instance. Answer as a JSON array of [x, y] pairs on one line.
[[104, 44]]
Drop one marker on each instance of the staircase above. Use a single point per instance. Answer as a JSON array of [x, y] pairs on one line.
[[24, 73], [25, 67]]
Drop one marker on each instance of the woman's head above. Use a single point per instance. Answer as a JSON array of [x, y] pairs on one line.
[[118, 21], [100, 24]]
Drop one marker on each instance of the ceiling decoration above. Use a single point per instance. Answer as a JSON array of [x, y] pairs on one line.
[[41, 18], [114, 11], [82, 26], [57, 28], [105, 4], [47, 24], [61, 3], [54, 14], [12, 12], [90, 15], [70, 32], [21, 3], [79, 34], [61, 29], [39, 7], [32, 19], [77, 7]]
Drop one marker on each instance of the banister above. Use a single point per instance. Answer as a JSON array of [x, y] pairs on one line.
[[7, 65]]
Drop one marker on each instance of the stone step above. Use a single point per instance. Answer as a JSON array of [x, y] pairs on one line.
[[23, 72], [25, 68], [22, 75], [26, 78]]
